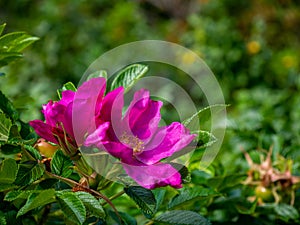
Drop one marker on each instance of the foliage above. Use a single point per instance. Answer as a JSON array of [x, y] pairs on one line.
[[251, 46]]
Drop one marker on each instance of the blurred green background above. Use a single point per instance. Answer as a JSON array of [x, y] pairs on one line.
[[252, 47]]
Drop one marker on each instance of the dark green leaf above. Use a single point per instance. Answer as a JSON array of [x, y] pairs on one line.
[[11, 218], [67, 86], [7, 107], [227, 181], [191, 194], [29, 172], [5, 125], [7, 187], [10, 148], [8, 172], [36, 200], [159, 196], [128, 76], [61, 164], [144, 198], [71, 206], [92, 204], [33, 152], [2, 215], [182, 217]]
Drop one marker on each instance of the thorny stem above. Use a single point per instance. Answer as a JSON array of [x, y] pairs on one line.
[[114, 196], [73, 183]]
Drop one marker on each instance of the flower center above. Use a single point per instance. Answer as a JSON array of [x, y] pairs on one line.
[[133, 142]]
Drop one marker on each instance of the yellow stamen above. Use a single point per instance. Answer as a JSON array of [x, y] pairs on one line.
[[133, 142]]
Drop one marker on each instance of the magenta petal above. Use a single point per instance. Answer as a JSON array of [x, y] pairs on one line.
[[87, 102], [112, 111], [143, 115], [116, 149], [165, 142], [53, 113], [97, 136], [153, 176], [67, 120], [67, 97], [43, 130]]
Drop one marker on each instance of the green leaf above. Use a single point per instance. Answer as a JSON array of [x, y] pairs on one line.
[[33, 152], [61, 164], [29, 172], [223, 182], [8, 172], [7, 187], [128, 76], [7, 107], [13, 195], [2, 215], [204, 139], [10, 149], [159, 196], [91, 204], [67, 86], [36, 200], [144, 198], [10, 38], [2, 28], [5, 125], [286, 212], [22, 42], [99, 73], [71, 206], [7, 57], [182, 217], [188, 194]]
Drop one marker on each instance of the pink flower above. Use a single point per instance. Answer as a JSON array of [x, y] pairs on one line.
[[61, 127], [138, 141]]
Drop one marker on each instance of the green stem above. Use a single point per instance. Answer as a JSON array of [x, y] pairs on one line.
[[115, 196]]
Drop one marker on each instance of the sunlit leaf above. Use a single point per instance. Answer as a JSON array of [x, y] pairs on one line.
[[129, 76]]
